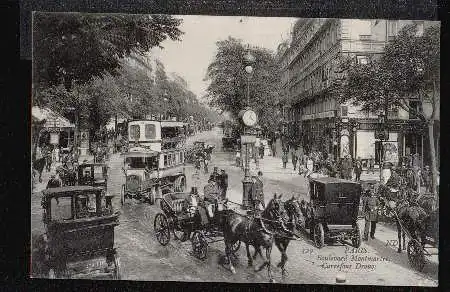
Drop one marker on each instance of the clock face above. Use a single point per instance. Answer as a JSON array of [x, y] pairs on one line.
[[249, 118]]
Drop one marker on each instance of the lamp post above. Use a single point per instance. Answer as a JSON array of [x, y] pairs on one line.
[[381, 124], [249, 119]]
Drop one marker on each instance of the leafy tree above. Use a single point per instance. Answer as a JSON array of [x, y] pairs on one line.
[[408, 69], [228, 88], [76, 47]]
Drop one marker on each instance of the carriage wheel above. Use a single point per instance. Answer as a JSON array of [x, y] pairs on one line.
[[356, 238], [178, 234], [199, 245], [162, 229], [122, 195], [319, 235], [236, 246], [416, 255]]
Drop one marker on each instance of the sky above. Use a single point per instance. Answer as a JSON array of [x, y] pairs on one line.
[[190, 57]]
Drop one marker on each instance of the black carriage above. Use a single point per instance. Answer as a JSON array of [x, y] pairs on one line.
[[79, 238], [176, 220], [93, 174], [334, 210]]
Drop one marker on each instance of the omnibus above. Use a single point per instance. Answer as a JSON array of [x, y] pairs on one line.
[[155, 161]]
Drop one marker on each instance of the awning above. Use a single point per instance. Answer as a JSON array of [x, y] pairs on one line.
[[52, 119]]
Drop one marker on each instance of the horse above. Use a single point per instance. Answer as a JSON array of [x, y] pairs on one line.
[[284, 235], [39, 165], [408, 213], [252, 230]]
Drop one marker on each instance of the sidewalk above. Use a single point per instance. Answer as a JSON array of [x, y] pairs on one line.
[[272, 167]]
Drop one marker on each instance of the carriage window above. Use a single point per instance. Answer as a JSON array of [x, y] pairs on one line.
[[151, 162], [135, 132], [85, 205], [150, 131], [61, 208], [98, 172]]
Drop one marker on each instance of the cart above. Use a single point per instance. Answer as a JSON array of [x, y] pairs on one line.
[[79, 237], [334, 211], [176, 220]]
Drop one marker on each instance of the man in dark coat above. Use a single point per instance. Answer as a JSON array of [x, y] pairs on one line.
[[223, 183], [358, 169], [284, 158], [370, 209], [346, 168], [257, 199]]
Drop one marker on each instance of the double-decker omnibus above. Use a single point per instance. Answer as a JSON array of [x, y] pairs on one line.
[[155, 161]]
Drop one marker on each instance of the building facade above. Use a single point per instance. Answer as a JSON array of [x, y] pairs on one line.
[[316, 120]]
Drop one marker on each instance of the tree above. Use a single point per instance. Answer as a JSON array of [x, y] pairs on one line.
[[408, 69], [76, 47], [228, 88]]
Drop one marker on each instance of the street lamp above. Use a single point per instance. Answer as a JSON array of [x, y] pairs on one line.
[[249, 119], [381, 124]]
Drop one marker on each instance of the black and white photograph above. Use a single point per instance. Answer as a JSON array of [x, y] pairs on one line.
[[235, 149]]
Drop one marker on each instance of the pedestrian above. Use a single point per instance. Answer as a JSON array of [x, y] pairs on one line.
[[347, 168], [257, 198], [371, 165], [207, 158], [273, 145], [294, 158], [223, 179], [198, 161], [358, 169], [370, 208], [54, 182], [238, 158], [261, 151], [284, 158], [426, 178]]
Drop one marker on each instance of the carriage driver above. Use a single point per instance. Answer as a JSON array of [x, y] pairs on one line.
[[211, 196]]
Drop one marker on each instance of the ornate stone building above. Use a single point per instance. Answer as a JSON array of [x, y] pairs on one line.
[[315, 119]]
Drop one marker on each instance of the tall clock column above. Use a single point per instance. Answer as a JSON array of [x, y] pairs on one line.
[[249, 119]]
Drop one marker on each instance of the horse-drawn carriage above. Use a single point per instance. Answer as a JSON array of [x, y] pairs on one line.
[[332, 212], [177, 220], [79, 239], [416, 217]]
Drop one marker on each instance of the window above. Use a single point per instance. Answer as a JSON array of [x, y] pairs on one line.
[[150, 131], [61, 208], [365, 37], [362, 60], [165, 160], [135, 132]]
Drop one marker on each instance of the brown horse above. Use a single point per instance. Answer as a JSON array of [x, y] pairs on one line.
[[253, 230]]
